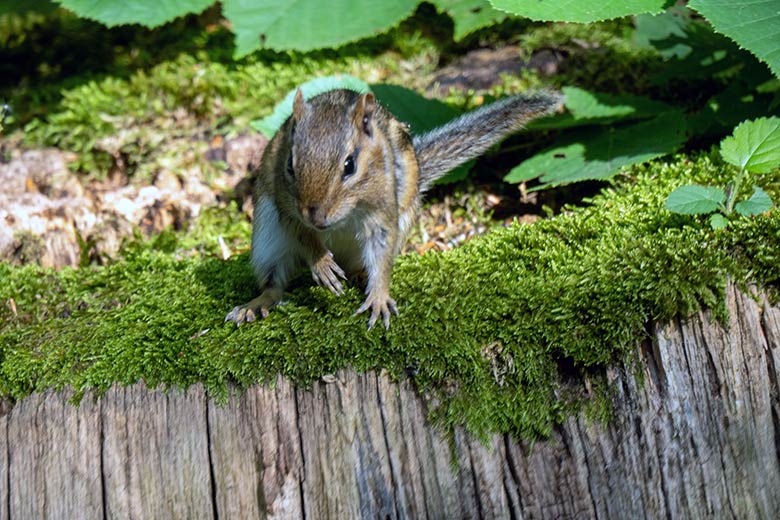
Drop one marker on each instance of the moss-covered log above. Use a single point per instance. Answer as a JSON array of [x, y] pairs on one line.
[[694, 434]]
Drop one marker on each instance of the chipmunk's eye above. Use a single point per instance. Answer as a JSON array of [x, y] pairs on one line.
[[349, 168], [290, 170]]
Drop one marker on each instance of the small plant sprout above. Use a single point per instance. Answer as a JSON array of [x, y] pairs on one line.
[[754, 148]]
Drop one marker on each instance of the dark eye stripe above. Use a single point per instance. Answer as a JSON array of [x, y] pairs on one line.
[[290, 170]]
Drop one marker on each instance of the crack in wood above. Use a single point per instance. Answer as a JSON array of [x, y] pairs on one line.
[[302, 475], [212, 479], [102, 460], [380, 405]]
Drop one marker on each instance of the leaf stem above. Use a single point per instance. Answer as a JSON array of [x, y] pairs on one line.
[[734, 191]]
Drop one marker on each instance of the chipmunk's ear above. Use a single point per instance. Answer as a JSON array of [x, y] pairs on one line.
[[298, 105], [365, 112]]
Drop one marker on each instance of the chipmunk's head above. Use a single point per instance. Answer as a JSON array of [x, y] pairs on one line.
[[333, 155]]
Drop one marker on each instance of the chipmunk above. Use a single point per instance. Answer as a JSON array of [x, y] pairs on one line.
[[339, 186]]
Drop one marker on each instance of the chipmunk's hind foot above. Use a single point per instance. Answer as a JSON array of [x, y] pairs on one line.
[[257, 308]]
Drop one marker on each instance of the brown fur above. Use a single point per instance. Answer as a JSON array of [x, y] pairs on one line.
[[337, 222]]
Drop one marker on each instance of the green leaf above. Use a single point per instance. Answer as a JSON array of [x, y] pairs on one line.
[[754, 146], [270, 124], [305, 25], [758, 203], [587, 108], [150, 13], [469, 15], [599, 155], [422, 115], [583, 11], [753, 24], [694, 199], [718, 221]]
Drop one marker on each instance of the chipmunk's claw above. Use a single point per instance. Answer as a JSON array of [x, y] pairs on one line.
[[241, 314], [326, 272], [259, 307], [379, 307]]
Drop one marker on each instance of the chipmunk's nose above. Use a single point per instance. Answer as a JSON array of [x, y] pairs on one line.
[[316, 216]]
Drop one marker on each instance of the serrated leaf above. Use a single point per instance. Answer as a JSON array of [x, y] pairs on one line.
[[718, 221], [422, 115], [590, 155], [305, 25], [753, 24], [583, 11], [754, 146], [270, 124], [150, 13], [758, 203], [469, 15], [695, 199], [588, 108]]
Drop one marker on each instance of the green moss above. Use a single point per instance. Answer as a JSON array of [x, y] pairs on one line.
[[500, 331]]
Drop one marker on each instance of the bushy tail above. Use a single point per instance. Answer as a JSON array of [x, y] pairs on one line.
[[471, 134]]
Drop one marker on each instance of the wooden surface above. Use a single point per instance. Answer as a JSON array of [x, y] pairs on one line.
[[700, 438]]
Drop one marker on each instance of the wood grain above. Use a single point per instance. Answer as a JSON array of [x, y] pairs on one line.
[[53, 459], [155, 454]]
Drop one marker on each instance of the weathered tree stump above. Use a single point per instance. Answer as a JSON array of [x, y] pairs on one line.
[[699, 438]]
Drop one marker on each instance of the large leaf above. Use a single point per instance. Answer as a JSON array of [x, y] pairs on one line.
[[599, 155], [587, 108], [753, 24], [469, 15], [695, 199], [270, 124], [150, 13], [758, 203], [422, 115], [754, 145], [584, 11], [305, 25]]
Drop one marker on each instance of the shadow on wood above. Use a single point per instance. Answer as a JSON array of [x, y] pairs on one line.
[[699, 438]]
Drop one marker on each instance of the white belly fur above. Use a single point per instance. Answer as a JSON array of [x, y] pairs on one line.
[[272, 246]]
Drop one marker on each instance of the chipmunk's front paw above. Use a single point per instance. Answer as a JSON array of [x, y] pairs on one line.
[[260, 306], [326, 272], [380, 305]]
